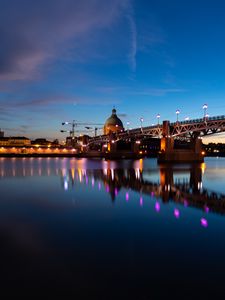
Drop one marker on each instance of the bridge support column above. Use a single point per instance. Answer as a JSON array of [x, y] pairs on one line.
[[169, 154], [135, 147], [167, 144], [197, 144], [112, 146]]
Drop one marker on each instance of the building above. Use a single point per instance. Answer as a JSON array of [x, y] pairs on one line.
[[113, 124], [15, 141], [42, 143], [1, 133]]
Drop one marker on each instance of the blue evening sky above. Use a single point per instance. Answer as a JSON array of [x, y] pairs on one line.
[[64, 60]]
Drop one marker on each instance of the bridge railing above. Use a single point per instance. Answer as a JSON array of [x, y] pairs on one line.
[[215, 118]]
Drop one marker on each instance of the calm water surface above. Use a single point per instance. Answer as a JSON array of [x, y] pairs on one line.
[[112, 229]]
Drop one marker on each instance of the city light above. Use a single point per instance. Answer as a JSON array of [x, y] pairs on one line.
[[128, 123], [158, 117], [141, 120], [205, 106], [177, 113]]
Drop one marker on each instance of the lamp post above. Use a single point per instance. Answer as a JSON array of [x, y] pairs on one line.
[[158, 117], [205, 106], [128, 123], [141, 120], [72, 132], [177, 113]]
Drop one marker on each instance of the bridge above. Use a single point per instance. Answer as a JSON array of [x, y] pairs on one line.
[[191, 131]]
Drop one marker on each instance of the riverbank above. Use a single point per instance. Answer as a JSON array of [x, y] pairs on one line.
[[120, 155]]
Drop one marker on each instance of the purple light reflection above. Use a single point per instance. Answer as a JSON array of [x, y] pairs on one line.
[[116, 191], [176, 213], [99, 186], [127, 196], [185, 203], [107, 188], [157, 207], [141, 201], [92, 182], [206, 208], [204, 222]]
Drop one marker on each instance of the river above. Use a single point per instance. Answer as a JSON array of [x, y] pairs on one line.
[[112, 229]]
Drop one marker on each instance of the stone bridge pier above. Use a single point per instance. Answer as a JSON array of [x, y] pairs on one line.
[[169, 154], [111, 149]]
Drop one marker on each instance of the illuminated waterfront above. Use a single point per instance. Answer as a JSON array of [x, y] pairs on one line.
[[115, 228]]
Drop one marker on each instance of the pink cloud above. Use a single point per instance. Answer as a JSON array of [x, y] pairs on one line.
[[36, 33]]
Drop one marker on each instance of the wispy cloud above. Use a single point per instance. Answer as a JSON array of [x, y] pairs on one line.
[[126, 90], [133, 45], [45, 105], [34, 33], [158, 91], [122, 115]]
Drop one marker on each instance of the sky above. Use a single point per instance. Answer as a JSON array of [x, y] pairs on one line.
[[65, 60]]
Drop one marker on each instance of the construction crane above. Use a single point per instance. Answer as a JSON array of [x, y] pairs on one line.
[[95, 129], [75, 124]]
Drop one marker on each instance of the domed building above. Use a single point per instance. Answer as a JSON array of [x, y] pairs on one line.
[[113, 123]]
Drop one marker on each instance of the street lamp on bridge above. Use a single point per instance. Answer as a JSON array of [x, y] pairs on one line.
[[141, 120], [128, 123], [158, 116], [177, 113], [205, 106]]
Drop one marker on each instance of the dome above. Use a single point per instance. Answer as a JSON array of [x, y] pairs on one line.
[[113, 123], [114, 120]]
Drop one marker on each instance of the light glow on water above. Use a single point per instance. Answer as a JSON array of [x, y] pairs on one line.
[[127, 196], [157, 206], [204, 222], [176, 213]]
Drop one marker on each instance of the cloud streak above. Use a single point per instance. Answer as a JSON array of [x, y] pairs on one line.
[[49, 101], [133, 47], [34, 33], [158, 92]]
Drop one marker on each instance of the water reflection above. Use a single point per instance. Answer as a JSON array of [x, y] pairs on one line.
[[90, 225], [180, 185]]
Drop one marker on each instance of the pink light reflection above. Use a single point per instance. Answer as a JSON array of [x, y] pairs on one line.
[[152, 194], [157, 207], [127, 196], [107, 188], [204, 222], [141, 201], [176, 213], [206, 208], [116, 191], [185, 203], [92, 182]]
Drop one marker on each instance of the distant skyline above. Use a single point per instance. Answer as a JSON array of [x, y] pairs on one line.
[[64, 60]]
